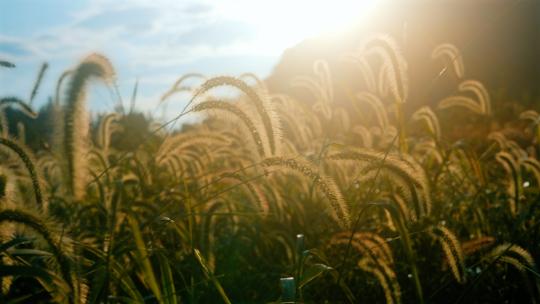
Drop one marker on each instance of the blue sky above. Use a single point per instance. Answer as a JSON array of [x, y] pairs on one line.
[[155, 41]]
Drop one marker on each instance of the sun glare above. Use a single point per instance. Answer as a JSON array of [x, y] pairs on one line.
[[281, 23]]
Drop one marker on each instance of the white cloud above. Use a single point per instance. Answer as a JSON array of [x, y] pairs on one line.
[[156, 40]]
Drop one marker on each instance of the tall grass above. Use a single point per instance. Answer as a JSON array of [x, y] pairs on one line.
[[342, 201]]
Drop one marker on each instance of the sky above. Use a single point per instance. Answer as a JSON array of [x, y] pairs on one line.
[[154, 41]]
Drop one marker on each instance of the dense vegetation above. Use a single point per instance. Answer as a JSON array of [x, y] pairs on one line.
[[272, 199]]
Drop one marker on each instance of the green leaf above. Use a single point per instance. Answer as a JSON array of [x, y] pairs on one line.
[[313, 272], [143, 259], [14, 242], [119, 272], [210, 276], [167, 281], [19, 252], [98, 283]]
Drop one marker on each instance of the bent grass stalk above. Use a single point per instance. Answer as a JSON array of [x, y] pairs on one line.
[[29, 164]]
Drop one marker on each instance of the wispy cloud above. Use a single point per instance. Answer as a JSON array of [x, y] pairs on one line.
[[153, 40], [13, 48]]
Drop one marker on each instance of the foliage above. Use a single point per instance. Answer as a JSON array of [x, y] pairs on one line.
[[378, 203]]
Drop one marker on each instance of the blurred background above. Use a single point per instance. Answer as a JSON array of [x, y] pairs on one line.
[[156, 41]]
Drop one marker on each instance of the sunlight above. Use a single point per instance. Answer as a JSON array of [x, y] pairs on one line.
[[269, 151], [281, 23]]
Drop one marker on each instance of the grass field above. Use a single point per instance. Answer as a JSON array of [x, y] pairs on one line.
[[272, 199]]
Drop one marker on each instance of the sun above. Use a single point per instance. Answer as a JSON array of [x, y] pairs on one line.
[[282, 23]]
